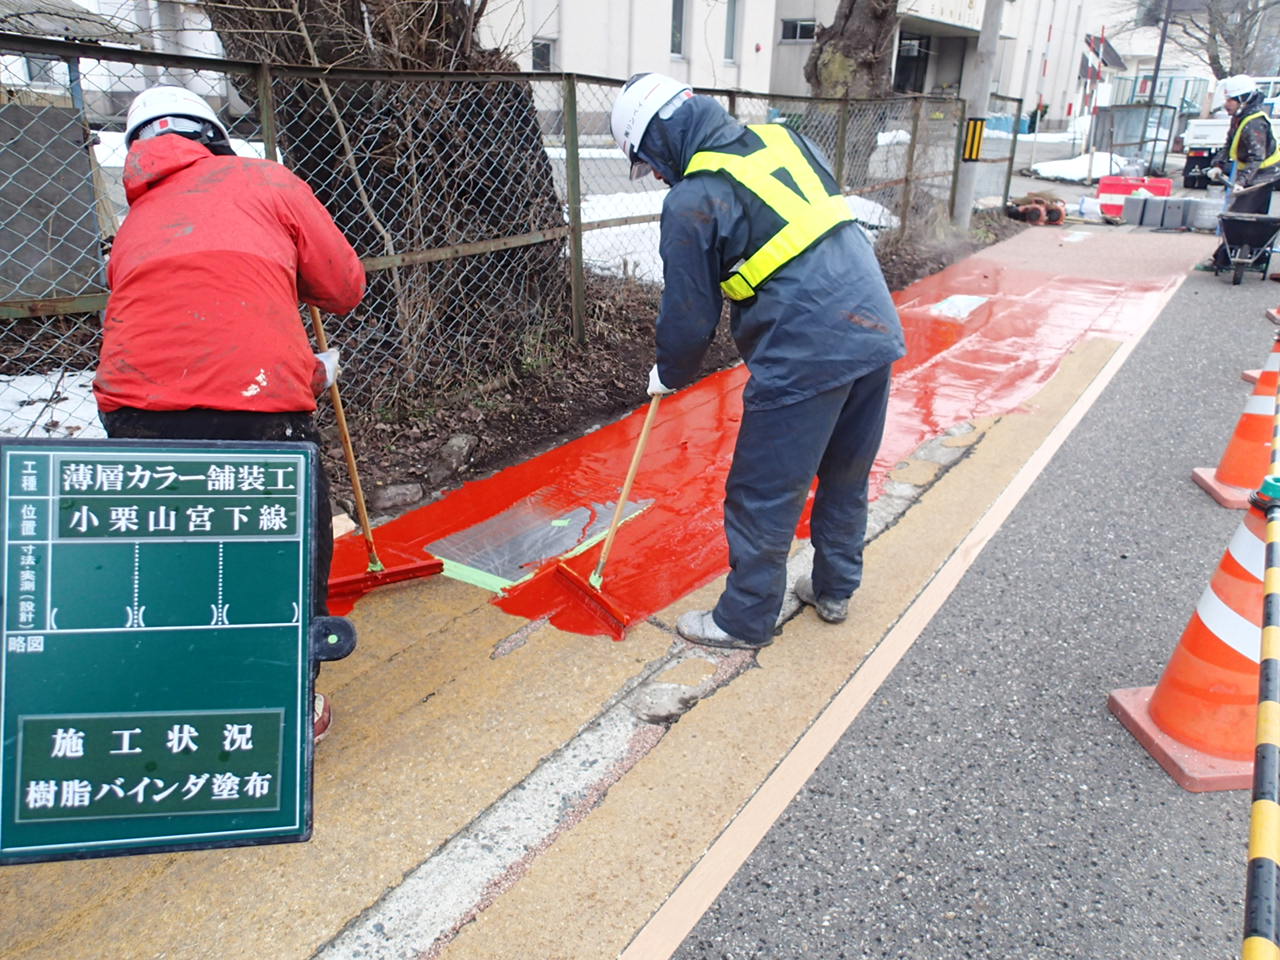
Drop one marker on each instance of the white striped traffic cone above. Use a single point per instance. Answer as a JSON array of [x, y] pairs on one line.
[[1198, 721], [1248, 455]]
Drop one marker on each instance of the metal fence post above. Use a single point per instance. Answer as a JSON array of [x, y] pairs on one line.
[[905, 214], [573, 184], [963, 111], [842, 136], [733, 104], [267, 112], [1013, 150]]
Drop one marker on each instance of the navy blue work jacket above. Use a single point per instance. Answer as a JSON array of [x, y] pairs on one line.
[[822, 320]]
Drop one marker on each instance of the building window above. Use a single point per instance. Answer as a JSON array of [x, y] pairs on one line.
[[677, 28], [912, 65], [731, 30], [41, 69], [542, 53], [798, 29]]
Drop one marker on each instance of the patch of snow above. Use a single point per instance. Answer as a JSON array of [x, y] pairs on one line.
[[589, 153], [57, 404], [890, 137], [632, 250], [1078, 169], [871, 214]]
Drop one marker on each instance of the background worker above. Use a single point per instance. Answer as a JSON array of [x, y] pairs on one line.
[[1251, 145], [201, 337], [755, 216]]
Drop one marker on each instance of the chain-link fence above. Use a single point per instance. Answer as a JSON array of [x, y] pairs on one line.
[[484, 206], [1139, 133]]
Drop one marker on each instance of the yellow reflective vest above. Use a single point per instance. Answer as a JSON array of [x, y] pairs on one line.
[[1234, 153], [806, 219]]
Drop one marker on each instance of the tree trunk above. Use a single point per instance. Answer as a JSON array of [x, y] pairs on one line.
[[852, 58], [407, 166]]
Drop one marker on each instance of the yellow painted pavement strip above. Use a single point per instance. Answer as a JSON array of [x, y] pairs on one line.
[[428, 731], [598, 884]]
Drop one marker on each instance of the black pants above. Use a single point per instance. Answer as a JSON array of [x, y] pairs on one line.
[[203, 424]]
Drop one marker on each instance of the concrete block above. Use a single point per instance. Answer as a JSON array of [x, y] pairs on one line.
[[1175, 212], [1153, 212], [1133, 209]]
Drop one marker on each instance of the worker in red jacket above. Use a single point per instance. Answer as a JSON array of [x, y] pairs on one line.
[[202, 338]]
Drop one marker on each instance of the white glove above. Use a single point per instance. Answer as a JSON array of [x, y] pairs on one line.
[[325, 372], [656, 386], [1213, 173]]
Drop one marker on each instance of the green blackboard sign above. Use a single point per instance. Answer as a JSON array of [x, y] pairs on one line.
[[155, 680]]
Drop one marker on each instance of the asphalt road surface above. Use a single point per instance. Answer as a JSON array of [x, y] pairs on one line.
[[986, 804]]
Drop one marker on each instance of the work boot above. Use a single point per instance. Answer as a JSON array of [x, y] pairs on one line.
[[830, 609], [697, 626], [321, 717]]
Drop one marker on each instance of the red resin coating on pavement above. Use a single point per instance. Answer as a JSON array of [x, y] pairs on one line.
[[987, 363]]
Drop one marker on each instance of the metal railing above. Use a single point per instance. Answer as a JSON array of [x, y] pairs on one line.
[[486, 208]]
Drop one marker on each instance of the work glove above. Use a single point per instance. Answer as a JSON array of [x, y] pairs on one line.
[[325, 372], [1214, 174], [656, 387]]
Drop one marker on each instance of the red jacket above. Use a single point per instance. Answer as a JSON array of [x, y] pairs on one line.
[[205, 276]]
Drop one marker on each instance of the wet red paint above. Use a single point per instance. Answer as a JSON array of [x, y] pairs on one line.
[[985, 364]]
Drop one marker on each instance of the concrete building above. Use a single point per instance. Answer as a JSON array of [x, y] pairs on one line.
[[934, 38], [758, 45], [709, 43]]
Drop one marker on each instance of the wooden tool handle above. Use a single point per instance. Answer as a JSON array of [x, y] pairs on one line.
[[348, 450], [626, 486]]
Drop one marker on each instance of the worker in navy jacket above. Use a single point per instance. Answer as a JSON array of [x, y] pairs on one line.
[[754, 216]]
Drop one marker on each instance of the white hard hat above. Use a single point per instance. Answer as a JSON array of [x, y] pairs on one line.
[[643, 98], [1237, 87], [167, 101]]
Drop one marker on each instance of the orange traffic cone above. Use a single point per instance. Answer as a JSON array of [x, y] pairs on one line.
[[1248, 455], [1198, 722]]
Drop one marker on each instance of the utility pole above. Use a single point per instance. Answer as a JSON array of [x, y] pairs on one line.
[[975, 89], [1155, 81]]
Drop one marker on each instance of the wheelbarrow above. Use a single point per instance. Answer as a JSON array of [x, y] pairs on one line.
[[1248, 238]]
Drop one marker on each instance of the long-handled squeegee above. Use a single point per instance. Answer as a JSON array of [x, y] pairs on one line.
[[588, 591]]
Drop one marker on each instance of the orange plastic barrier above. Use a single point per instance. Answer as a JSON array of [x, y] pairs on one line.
[[1113, 190], [1198, 721]]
